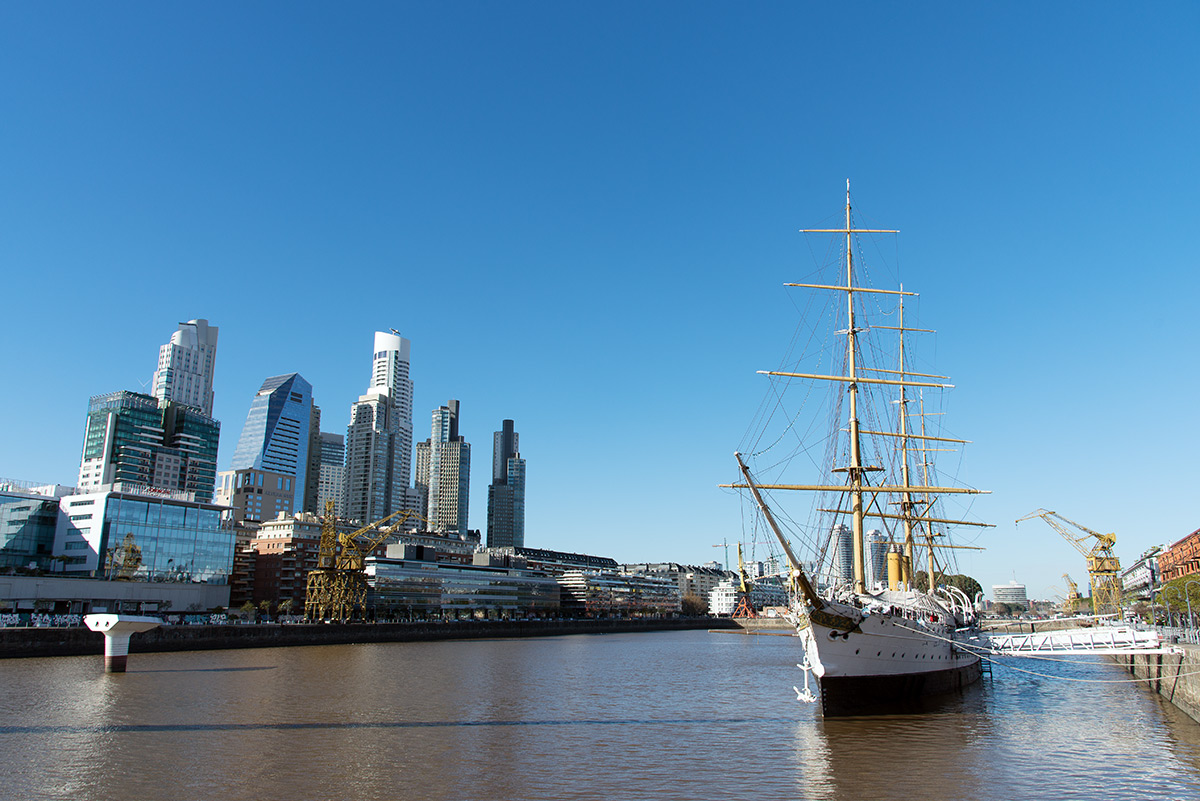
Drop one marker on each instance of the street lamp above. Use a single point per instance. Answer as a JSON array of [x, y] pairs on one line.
[[1170, 609], [1188, 597]]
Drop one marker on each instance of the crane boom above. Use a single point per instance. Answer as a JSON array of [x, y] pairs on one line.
[[1104, 568]]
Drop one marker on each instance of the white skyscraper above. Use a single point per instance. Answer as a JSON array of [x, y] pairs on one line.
[[185, 366], [379, 437], [841, 546]]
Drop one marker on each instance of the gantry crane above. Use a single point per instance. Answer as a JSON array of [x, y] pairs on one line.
[[1104, 568], [337, 587]]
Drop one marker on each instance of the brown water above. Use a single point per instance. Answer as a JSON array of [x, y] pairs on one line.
[[680, 715]]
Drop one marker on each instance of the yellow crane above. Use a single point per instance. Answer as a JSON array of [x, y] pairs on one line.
[[1104, 568], [745, 605], [1071, 604], [337, 587]]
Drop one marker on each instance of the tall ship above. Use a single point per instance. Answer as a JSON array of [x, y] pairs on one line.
[[882, 624]]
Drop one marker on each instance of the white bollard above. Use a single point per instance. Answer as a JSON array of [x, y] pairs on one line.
[[117, 630]]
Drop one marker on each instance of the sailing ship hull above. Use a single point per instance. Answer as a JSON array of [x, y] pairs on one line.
[[883, 662]]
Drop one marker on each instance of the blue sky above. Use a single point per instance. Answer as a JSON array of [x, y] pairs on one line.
[[582, 215]]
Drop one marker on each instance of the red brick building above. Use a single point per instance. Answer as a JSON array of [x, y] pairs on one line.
[[1181, 559]]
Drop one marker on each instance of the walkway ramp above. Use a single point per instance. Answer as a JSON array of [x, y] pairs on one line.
[[1101, 640]]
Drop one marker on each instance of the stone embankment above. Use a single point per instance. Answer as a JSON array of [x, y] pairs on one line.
[[1175, 677], [23, 642]]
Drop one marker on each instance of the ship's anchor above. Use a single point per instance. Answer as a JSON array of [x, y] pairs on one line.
[[807, 694]]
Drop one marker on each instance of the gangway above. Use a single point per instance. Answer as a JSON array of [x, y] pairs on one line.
[[1112, 640]]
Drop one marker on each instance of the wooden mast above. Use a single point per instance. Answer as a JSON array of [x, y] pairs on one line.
[[856, 468]]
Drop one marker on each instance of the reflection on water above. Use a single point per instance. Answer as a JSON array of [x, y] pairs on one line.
[[658, 716]]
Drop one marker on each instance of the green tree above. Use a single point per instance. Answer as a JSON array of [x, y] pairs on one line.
[[247, 609]]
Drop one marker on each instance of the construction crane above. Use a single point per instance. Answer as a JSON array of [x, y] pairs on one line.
[[1104, 568], [1071, 603], [337, 587], [745, 606]]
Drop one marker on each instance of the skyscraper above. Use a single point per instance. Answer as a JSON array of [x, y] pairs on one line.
[[138, 441], [332, 477], [186, 364], [841, 546], [506, 493], [167, 441], [379, 438], [877, 550], [271, 467], [444, 471]]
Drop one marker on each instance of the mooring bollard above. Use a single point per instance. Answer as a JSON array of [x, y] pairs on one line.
[[117, 630]]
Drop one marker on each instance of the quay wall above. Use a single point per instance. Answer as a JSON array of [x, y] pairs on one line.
[[1175, 677], [78, 641]]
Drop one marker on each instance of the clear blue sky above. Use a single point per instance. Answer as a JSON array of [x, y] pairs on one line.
[[582, 215]]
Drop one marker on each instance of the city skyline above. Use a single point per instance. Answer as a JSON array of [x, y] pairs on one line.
[[583, 220]]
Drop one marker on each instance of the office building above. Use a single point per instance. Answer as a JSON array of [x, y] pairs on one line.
[[379, 438], [274, 455], [506, 493], [444, 472], [877, 550], [331, 480], [1011, 593], [135, 440], [185, 366], [841, 549]]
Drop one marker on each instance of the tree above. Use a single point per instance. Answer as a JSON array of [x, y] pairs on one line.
[[694, 605], [247, 609], [264, 607], [285, 606]]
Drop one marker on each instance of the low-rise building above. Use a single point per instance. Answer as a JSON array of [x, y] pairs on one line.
[[1181, 558], [116, 549], [1139, 579], [590, 593], [690, 579], [409, 583]]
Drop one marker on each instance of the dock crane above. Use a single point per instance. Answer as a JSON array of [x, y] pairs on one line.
[[1104, 568], [1071, 603], [337, 587], [745, 605]]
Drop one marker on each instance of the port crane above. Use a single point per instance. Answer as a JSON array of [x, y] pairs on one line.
[[337, 587], [745, 605], [1071, 603], [1104, 569]]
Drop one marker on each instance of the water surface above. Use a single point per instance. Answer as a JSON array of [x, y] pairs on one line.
[[675, 715]]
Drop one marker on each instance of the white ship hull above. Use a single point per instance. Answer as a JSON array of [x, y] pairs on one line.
[[881, 661]]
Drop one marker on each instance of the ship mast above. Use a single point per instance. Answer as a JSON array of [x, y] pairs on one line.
[[856, 469]]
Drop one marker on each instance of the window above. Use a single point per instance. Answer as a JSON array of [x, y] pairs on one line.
[[81, 517]]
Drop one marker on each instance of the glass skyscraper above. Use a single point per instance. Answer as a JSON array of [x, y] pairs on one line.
[[506, 493], [278, 432]]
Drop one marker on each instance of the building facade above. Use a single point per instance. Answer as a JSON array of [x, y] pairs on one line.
[[1011, 593], [506, 493], [1181, 558], [444, 470], [331, 482], [137, 440], [1140, 579], [841, 550], [186, 365], [28, 522], [155, 537], [379, 442], [276, 447], [600, 594]]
